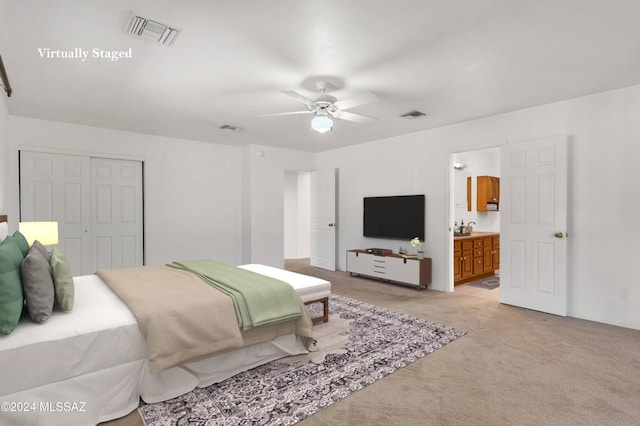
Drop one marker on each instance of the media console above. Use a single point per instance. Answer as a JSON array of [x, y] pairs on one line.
[[387, 266]]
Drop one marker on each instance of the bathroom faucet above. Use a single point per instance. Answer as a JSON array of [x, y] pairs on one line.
[[469, 227]]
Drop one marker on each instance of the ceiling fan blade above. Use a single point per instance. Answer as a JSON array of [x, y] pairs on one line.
[[295, 95], [365, 98], [286, 113], [349, 116]]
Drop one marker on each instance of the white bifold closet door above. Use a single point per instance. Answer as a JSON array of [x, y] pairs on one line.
[[97, 203]]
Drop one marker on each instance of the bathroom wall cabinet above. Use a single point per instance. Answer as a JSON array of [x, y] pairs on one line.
[[488, 193]]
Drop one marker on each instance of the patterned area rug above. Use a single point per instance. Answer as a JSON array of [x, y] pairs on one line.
[[488, 283], [359, 345]]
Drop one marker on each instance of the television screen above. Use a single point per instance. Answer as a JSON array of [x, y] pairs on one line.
[[399, 217]]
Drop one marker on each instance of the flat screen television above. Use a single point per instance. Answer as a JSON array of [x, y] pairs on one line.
[[398, 217]]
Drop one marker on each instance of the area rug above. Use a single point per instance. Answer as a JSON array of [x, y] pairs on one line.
[[360, 345], [488, 283]]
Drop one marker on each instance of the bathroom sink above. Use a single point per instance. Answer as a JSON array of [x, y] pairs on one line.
[[461, 234]]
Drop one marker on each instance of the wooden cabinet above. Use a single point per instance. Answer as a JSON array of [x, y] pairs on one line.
[[457, 261], [487, 257], [390, 267], [467, 259], [488, 193], [478, 262], [462, 260], [487, 254], [475, 257], [491, 254], [496, 253]]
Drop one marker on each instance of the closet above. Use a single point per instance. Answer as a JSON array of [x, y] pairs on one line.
[[97, 203]]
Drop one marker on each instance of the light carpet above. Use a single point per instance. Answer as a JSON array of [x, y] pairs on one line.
[[360, 344]]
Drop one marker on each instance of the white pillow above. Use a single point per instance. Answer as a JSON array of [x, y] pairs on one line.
[[4, 230]]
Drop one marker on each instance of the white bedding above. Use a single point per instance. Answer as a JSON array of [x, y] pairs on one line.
[[92, 337], [80, 367], [90, 365]]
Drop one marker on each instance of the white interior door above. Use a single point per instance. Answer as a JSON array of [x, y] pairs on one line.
[[55, 187], [533, 225], [323, 219]]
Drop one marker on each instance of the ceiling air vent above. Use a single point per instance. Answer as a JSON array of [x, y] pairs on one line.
[[152, 30], [231, 128], [413, 114]]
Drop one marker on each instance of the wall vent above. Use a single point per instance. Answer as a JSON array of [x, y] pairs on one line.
[[231, 128], [152, 30], [413, 114]]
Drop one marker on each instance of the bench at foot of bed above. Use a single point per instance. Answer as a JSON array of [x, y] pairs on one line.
[[325, 309], [310, 289]]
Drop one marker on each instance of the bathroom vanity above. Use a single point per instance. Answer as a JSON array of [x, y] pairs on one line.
[[475, 256]]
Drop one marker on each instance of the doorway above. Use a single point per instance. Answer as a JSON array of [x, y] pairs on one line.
[[310, 208], [297, 214], [474, 263]]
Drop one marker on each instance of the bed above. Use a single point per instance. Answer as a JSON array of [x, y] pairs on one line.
[[91, 364]]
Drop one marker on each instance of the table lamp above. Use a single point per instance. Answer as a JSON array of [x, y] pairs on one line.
[[45, 232]]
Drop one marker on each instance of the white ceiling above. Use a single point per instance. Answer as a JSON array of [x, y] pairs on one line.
[[455, 60]]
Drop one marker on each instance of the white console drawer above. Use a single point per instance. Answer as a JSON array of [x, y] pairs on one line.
[[379, 266], [389, 267]]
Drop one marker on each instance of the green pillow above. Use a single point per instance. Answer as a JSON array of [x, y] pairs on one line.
[[20, 241], [37, 285], [62, 279], [11, 296]]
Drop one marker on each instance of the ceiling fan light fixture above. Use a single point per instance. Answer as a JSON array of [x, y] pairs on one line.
[[327, 107], [321, 123]]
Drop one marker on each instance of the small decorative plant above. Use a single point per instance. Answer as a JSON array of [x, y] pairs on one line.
[[416, 243]]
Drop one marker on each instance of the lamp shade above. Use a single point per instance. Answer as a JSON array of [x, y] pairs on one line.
[[45, 232], [321, 123]]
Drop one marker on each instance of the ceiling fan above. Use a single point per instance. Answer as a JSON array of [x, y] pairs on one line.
[[327, 106]]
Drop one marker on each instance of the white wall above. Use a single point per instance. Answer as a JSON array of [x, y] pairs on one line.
[[290, 214], [604, 178], [193, 190]]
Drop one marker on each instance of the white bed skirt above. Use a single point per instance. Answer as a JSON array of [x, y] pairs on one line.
[[83, 400], [114, 392]]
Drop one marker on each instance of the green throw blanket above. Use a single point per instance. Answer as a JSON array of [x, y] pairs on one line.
[[258, 299]]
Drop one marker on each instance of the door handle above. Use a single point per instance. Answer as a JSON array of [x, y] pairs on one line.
[[560, 235], [331, 225]]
